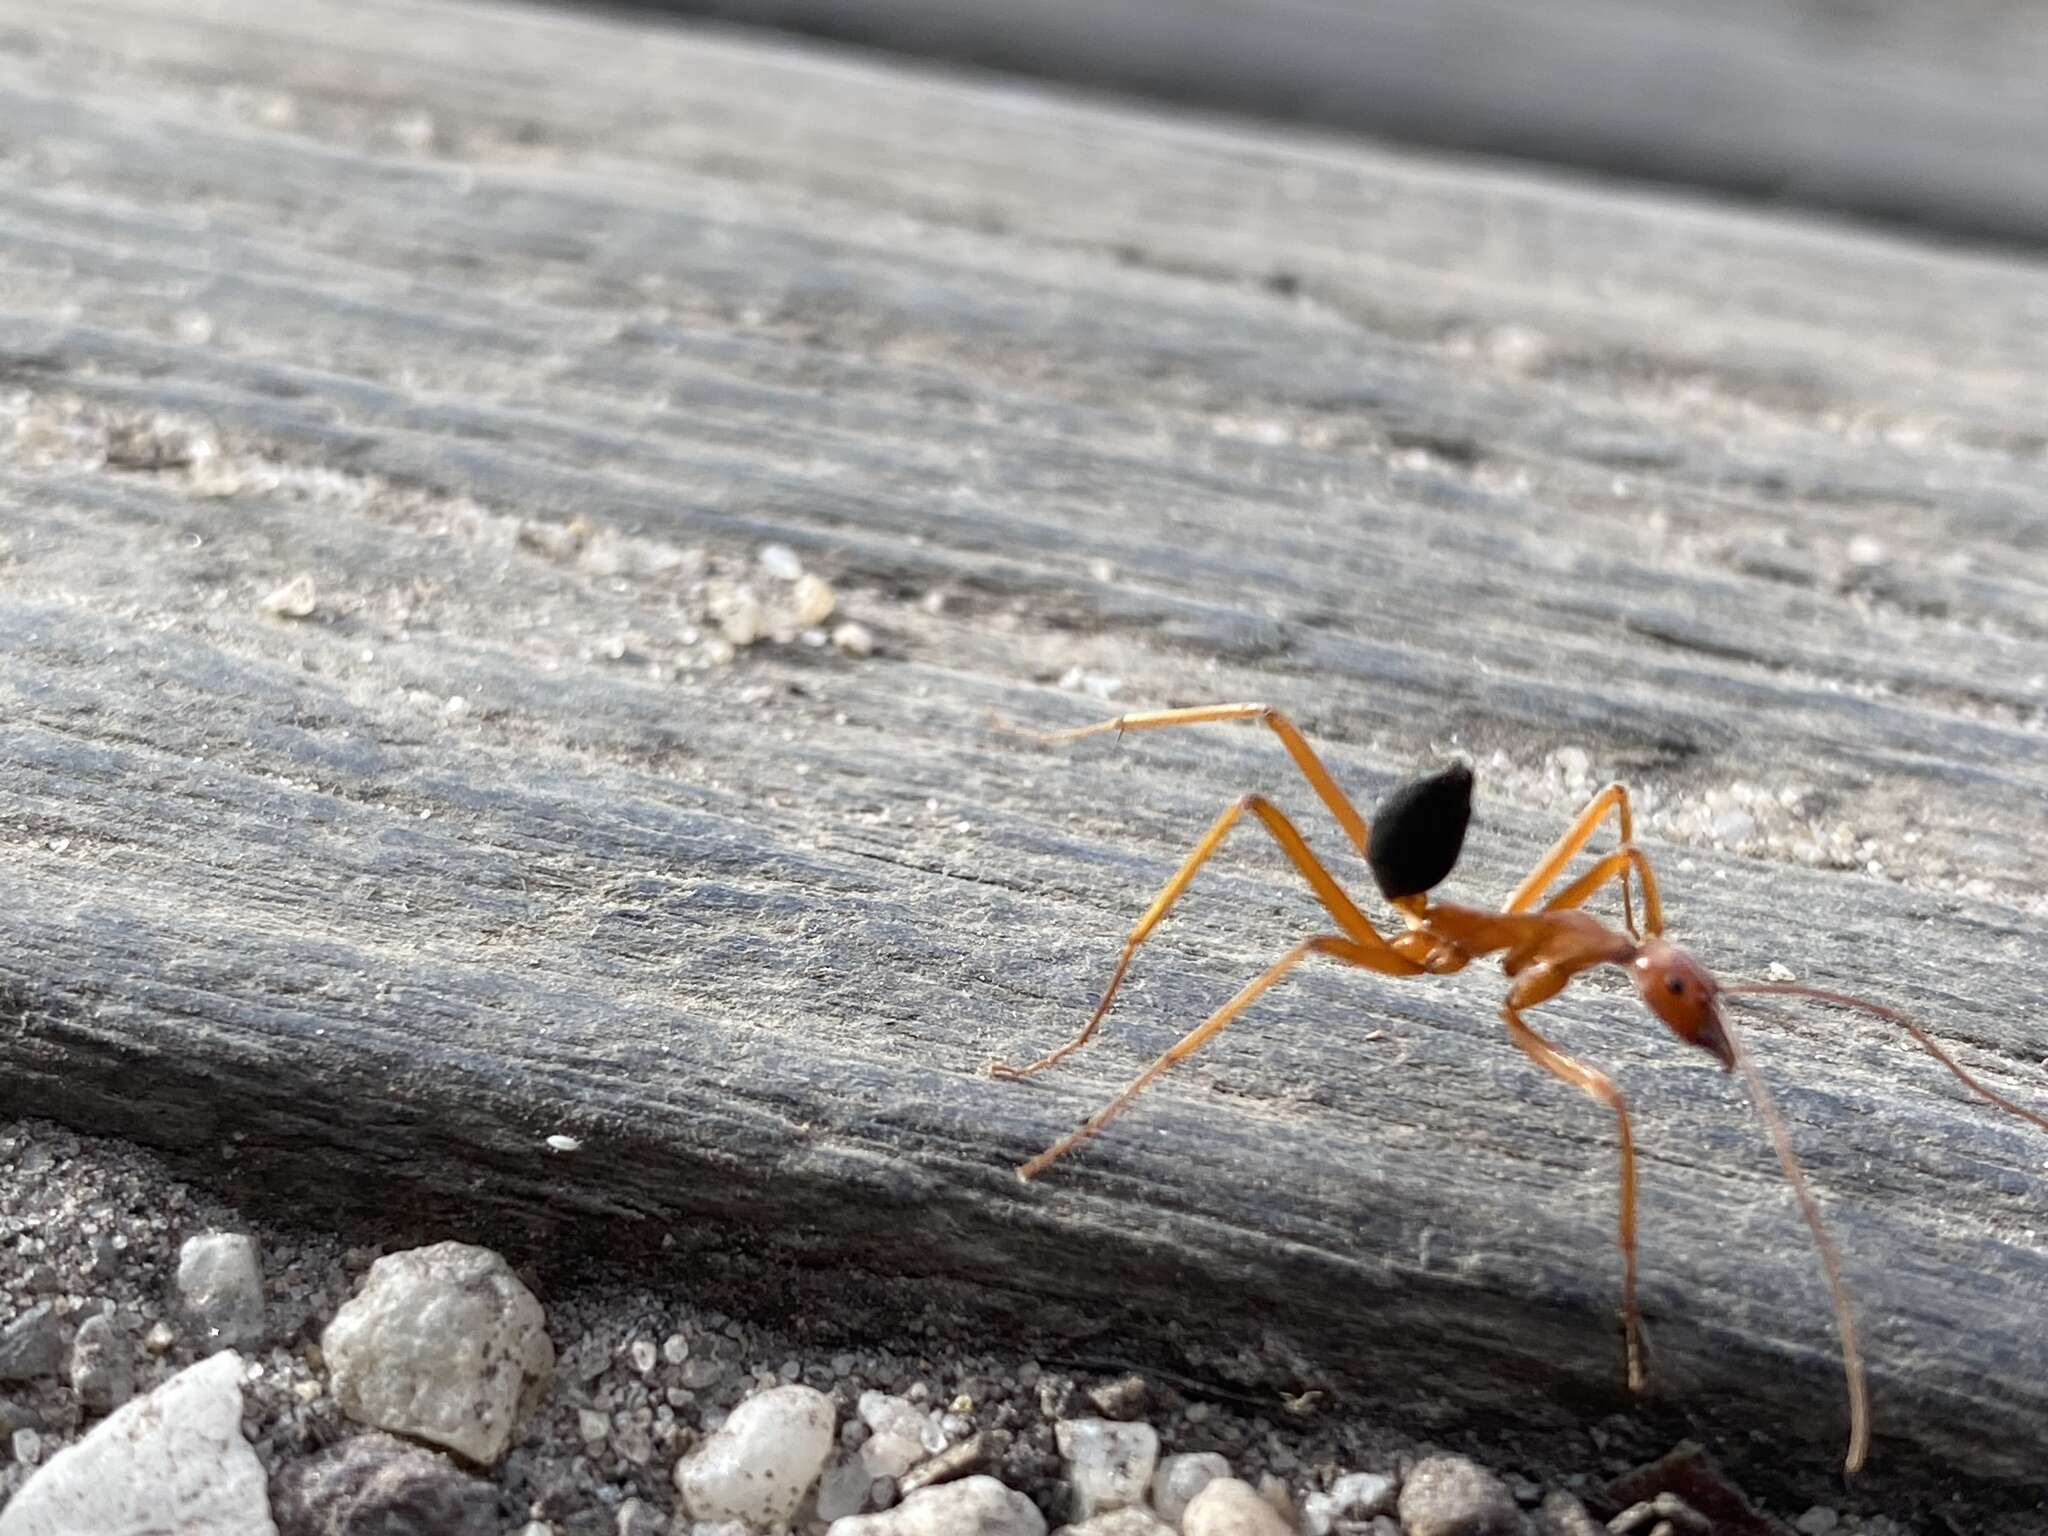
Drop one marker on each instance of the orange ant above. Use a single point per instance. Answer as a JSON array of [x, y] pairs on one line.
[[1412, 846]]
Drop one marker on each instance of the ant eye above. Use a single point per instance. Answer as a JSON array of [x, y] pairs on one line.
[[1674, 985]]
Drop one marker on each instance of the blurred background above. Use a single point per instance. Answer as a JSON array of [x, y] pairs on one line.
[[1928, 115]]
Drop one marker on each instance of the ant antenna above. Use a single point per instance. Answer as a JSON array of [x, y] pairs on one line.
[[1830, 1257], [1893, 1016], [1852, 1360]]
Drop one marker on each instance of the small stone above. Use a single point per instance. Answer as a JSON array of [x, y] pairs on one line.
[[1229, 1506], [843, 1489], [1575, 763], [1275, 1493], [814, 601], [1562, 1514], [414, 130], [763, 1459], [644, 1355], [739, 619], [220, 1281], [1134, 1521], [637, 1517], [563, 1145], [296, 599], [956, 1461], [854, 639], [182, 1442], [890, 1454], [975, 1506], [1734, 827], [106, 1258], [377, 1485], [1180, 1478], [1817, 1521], [102, 1371], [32, 1346], [902, 1434], [1361, 1495], [1099, 684], [161, 1338], [592, 1426], [443, 1344], [1109, 1464], [1123, 1398], [780, 561], [27, 1445], [1454, 1496]]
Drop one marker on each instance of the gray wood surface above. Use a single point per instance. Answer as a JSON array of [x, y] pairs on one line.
[[498, 322], [1932, 115]]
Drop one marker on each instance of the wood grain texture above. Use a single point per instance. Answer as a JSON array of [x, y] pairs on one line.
[[1879, 108], [1746, 511]]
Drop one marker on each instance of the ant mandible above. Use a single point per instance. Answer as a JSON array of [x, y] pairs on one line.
[[1412, 846]]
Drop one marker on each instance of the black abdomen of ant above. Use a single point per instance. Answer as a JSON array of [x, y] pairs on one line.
[[1419, 831]]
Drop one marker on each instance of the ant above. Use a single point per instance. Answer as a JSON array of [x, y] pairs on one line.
[[1412, 846]]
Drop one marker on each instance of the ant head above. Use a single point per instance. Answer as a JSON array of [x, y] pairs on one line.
[[1681, 992]]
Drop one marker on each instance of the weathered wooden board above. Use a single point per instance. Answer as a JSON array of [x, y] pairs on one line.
[[1748, 512], [1886, 108]]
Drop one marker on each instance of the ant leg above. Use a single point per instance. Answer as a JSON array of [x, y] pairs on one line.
[[1304, 755], [1371, 958], [1340, 906], [1617, 864], [1532, 987], [1613, 798]]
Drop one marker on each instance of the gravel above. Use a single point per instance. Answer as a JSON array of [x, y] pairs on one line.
[[444, 1344], [597, 1404], [220, 1280], [174, 1460], [762, 1461]]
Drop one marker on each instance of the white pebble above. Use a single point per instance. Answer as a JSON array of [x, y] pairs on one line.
[[739, 619], [843, 1489], [854, 639], [182, 1445], [762, 1461], [1574, 763], [1817, 1521], [890, 1454], [1109, 1464], [443, 1344], [1180, 1478], [296, 599], [1231, 1507], [814, 601], [1734, 827], [780, 561], [220, 1280], [1134, 1521], [561, 1143], [1364, 1494], [1098, 684], [974, 1506]]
